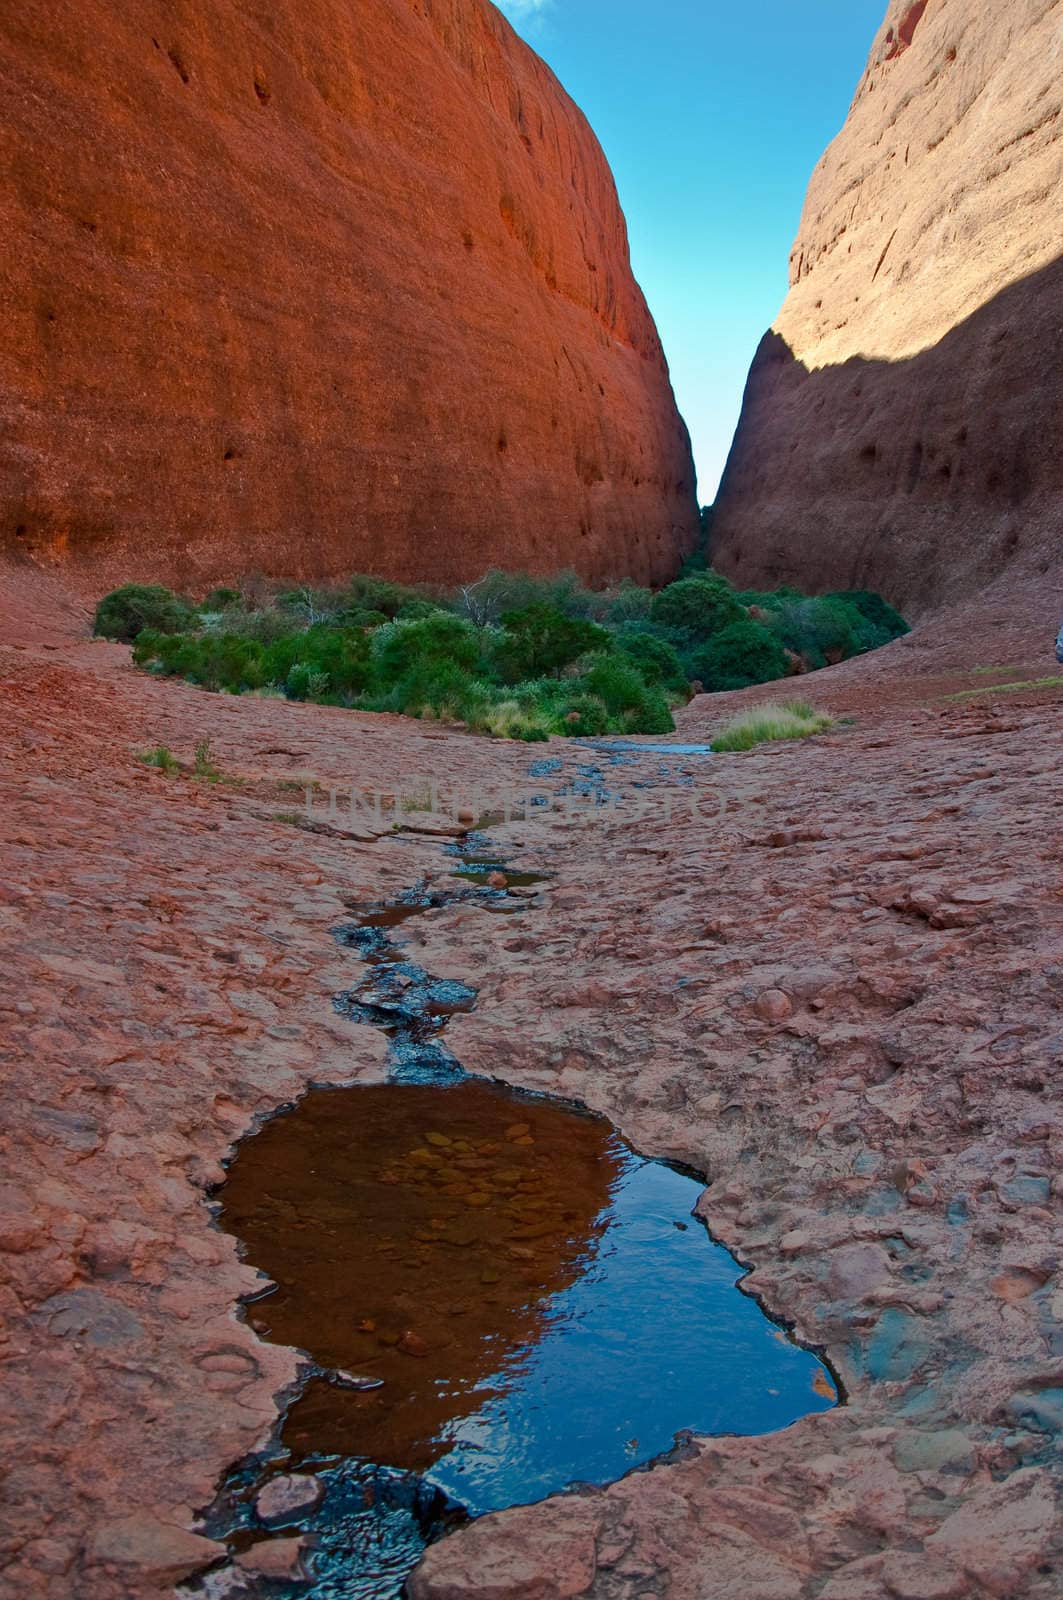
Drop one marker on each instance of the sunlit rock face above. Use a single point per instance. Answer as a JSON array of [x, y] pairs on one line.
[[902, 420], [307, 287]]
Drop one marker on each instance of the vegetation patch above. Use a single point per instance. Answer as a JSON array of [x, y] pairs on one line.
[[162, 758], [510, 655], [787, 719], [1026, 684]]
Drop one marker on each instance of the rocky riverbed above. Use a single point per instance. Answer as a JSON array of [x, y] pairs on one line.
[[829, 974]]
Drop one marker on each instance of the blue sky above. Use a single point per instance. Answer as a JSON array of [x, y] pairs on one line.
[[712, 116]]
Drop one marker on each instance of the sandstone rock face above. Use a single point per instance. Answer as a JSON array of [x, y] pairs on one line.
[[315, 287], [903, 421]]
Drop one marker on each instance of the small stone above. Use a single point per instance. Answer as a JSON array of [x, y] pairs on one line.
[[274, 1558], [773, 1005], [287, 1497], [356, 1380]]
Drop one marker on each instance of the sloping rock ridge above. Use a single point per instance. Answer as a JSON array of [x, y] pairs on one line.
[[309, 288], [902, 422]]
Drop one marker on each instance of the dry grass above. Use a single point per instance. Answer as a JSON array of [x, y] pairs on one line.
[[785, 719]]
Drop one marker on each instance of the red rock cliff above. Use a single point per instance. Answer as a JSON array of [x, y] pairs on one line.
[[903, 422], [313, 286]]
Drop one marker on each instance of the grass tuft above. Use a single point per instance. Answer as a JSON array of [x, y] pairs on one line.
[[787, 719], [162, 758], [1054, 682], [204, 765]]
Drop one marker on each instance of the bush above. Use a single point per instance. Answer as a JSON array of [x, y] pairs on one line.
[[221, 600], [628, 699], [789, 719], [540, 640], [320, 662], [697, 607], [512, 655], [508, 719], [884, 619], [628, 602], [768, 599], [741, 654], [821, 630], [401, 647], [580, 716], [126, 612], [656, 659], [437, 688], [375, 594]]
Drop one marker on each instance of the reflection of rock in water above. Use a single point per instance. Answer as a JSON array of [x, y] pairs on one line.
[[415, 1237]]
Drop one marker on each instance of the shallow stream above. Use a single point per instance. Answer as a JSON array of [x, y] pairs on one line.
[[498, 1297]]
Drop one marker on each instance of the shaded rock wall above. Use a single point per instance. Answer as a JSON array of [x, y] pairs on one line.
[[314, 287], [903, 422]]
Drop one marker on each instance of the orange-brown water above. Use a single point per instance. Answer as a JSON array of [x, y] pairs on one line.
[[448, 1221]]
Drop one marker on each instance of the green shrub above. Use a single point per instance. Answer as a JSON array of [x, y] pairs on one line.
[[884, 619], [438, 688], [126, 612], [631, 704], [697, 607], [511, 655], [821, 630], [221, 600], [414, 610], [319, 662], [376, 594], [741, 654], [628, 602], [540, 639], [788, 719], [580, 716], [616, 681], [656, 659], [400, 648]]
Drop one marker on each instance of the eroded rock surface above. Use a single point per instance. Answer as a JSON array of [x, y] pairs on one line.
[[318, 287], [902, 420], [884, 1149]]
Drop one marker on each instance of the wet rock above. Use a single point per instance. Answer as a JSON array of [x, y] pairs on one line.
[[274, 1558], [286, 1498]]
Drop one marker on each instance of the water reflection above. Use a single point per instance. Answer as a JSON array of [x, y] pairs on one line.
[[531, 1298]]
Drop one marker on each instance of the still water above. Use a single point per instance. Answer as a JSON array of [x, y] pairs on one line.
[[500, 1297]]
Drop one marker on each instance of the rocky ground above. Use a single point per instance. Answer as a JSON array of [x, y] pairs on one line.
[[827, 974]]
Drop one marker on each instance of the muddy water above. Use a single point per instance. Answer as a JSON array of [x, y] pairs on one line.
[[498, 1295]]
